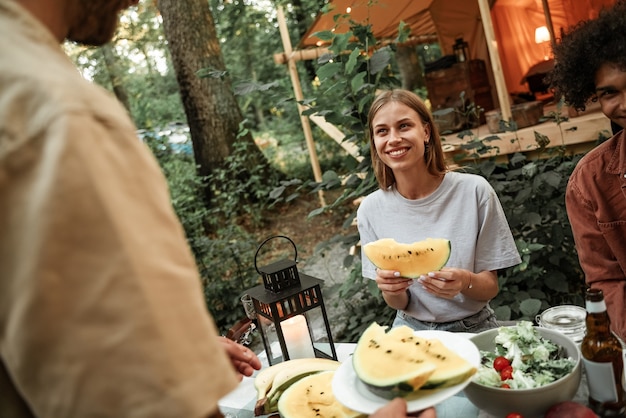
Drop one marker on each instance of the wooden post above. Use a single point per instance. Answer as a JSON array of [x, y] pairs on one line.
[[496, 65], [548, 15], [297, 89]]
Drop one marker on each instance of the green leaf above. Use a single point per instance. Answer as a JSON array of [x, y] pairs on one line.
[[329, 70], [404, 31], [530, 307], [340, 42], [530, 169], [553, 178], [357, 82], [316, 212], [503, 313], [533, 219], [557, 282], [379, 60], [352, 61], [325, 35]]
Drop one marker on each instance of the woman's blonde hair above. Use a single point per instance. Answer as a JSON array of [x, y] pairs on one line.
[[433, 153]]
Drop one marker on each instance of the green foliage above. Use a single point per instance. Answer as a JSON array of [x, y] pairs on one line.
[[224, 258], [532, 193], [142, 64], [240, 188]]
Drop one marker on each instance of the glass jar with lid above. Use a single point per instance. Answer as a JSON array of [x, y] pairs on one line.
[[567, 319]]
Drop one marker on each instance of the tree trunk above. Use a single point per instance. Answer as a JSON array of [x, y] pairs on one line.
[[213, 113], [409, 67]]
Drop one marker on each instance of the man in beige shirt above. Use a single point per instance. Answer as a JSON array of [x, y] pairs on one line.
[[101, 310]]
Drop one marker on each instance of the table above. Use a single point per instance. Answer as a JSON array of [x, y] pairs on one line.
[[240, 402]]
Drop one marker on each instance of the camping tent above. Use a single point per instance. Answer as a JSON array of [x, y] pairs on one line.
[[492, 29], [513, 23]]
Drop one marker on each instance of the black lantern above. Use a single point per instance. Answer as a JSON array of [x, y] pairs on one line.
[[461, 50], [290, 312]]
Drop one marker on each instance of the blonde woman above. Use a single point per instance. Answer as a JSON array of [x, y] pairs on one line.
[[420, 198]]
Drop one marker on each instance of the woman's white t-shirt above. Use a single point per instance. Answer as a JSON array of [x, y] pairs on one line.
[[465, 210]]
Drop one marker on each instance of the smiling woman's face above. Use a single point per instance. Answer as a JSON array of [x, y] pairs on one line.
[[611, 92], [399, 136], [93, 22]]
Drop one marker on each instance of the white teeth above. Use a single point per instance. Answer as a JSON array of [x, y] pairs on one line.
[[398, 152]]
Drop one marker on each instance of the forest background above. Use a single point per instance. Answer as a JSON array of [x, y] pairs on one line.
[[199, 80]]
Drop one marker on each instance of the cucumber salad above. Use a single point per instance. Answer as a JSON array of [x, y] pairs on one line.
[[522, 359]]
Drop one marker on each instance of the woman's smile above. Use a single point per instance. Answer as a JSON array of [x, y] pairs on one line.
[[397, 152]]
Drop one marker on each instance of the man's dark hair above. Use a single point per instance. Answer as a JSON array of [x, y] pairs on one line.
[[583, 49]]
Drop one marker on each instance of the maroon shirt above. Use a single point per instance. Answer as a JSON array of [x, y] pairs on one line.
[[596, 206]]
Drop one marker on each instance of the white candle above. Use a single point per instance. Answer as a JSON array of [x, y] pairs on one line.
[[297, 338]]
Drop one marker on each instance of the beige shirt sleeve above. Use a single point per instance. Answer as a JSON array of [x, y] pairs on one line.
[[101, 308]]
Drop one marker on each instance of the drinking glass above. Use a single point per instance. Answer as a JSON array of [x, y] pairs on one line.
[[248, 306]]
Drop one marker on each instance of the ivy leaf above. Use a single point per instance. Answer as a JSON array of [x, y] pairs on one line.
[[380, 59], [357, 82], [533, 219], [542, 140], [325, 35], [211, 73], [517, 158], [552, 178], [530, 307], [340, 42], [315, 212], [244, 88], [530, 169], [327, 71], [352, 61], [275, 193], [404, 31], [503, 312], [557, 282]]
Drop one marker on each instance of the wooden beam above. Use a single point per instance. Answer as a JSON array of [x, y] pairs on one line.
[[300, 55], [334, 132], [577, 135], [297, 89], [496, 64], [548, 15]]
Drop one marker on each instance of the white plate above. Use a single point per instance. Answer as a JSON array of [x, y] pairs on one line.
[[353, 393]]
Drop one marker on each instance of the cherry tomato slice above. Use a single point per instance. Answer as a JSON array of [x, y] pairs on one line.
[[500, 363], [514, 415], [505, 386], [506, 373]]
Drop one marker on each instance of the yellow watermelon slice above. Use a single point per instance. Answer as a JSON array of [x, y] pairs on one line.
[[313, 397], [399, 363], [411, 260]]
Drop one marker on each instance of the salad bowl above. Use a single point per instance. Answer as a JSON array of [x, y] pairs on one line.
[[529, 402]]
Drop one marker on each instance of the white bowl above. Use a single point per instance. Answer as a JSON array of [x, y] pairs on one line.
[[528, 402]]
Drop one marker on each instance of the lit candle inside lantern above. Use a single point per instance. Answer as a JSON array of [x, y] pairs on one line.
[[297, 338]]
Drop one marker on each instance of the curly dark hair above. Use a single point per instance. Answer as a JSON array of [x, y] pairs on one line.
[[583, 49]]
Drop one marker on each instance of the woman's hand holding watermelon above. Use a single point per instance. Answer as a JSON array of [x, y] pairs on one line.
[[393, 287], [449, 282]]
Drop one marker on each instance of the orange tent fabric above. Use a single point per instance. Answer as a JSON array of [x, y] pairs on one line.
[[438, 18], [514, 23]]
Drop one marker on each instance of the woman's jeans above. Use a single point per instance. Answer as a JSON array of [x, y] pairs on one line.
[[481, 321]]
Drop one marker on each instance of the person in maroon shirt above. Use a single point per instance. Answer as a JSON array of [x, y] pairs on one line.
[[591, 66]]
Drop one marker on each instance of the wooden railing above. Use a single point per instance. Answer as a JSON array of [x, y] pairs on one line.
[[578, 134]]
